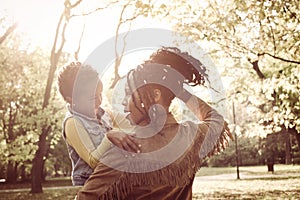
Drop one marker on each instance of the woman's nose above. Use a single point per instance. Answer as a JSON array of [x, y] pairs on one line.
[[124, 101], [126, 108]]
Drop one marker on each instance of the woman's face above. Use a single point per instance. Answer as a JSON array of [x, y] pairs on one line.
[[134, 107]]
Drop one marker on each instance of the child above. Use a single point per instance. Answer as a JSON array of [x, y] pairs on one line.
[[86, 125]]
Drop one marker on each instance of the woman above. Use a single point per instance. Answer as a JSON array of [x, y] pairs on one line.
[[171, 152]]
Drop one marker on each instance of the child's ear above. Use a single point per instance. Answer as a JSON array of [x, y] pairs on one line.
[[157, 95], [69, 100]]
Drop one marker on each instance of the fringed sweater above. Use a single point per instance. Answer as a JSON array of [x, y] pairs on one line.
[[168, 162]]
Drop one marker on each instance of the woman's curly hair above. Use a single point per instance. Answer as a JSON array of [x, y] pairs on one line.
[[191, 68], [193, 71]]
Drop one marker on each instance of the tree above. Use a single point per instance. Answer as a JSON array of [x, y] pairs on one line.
[[59, 41], [22, 116], [260, 39], [19, 104], [249, 148]]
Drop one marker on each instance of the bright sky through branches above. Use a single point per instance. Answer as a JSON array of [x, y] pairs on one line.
[[38, 20]]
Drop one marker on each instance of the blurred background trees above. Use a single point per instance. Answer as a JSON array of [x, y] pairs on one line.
[[23, 117], [257, 43]]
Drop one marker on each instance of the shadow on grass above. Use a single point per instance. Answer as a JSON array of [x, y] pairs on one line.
[[273, 178], [53, 182], [58, 194]]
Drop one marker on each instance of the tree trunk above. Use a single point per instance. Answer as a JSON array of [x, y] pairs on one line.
[[297, 135], [38, 163], [56, 169], [23, 174], [288, 147], [288, 157], [12, 173], [44, 172], [294, 132]]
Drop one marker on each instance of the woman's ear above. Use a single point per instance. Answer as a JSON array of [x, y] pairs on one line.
[[157, 95]]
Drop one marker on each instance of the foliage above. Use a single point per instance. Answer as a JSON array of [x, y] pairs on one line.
[[283, 89], [58, 162], [273, 147], [24, 69], [261, 40], [19, 102], [256, 151], [248, 148]]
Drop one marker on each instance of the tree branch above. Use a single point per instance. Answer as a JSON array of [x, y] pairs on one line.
[[279, 58], [257, 69], [273, 36], [118, 58], [8, 32], [75, 4], [76, 53], [96, 10]]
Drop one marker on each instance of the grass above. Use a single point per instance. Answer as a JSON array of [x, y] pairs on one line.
[[57, 194], [54, 188], [53, 182], [210, 183], [254, 170], [255, 183]]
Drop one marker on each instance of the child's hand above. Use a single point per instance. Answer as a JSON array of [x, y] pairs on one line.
[[124, 141]]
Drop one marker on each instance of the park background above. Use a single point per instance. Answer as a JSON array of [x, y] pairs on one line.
[[254, 45]]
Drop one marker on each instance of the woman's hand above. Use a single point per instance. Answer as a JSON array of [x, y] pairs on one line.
[[124, 141]]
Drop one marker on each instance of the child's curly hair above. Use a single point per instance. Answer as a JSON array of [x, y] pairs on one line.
[[68, 75]]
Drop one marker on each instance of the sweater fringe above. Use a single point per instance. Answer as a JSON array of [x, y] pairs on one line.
[[178, 173]]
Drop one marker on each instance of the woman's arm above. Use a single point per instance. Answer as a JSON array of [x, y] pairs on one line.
[[203, 111], [213, 126]]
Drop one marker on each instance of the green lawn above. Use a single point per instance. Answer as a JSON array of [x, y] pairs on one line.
[[254, 183], [255, 170], [210, 183]]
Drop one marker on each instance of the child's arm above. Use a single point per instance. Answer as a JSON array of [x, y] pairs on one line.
[[80, 140]]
